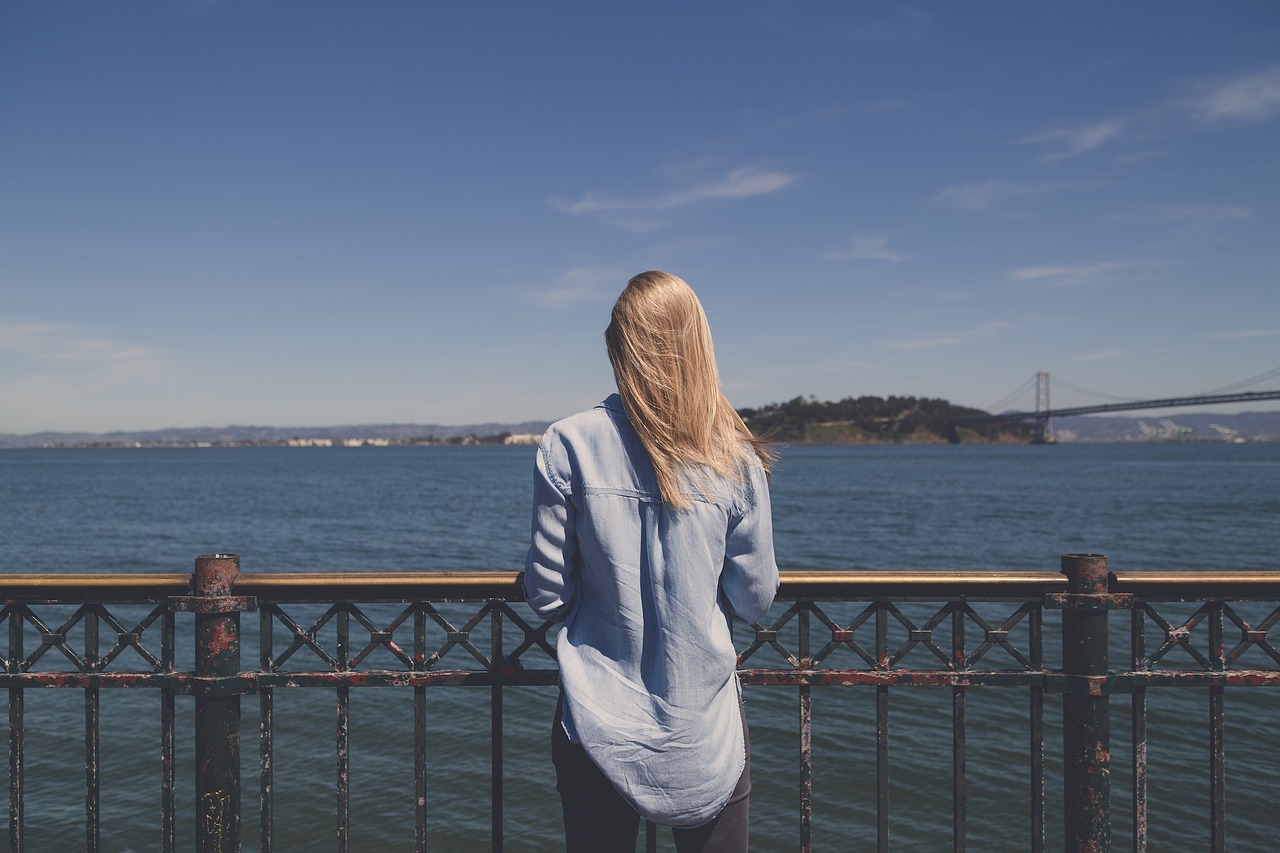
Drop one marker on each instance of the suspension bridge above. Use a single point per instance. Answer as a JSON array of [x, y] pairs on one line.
[[1044, 412]]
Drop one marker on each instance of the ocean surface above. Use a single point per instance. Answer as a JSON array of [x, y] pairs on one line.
[[1146, 506]]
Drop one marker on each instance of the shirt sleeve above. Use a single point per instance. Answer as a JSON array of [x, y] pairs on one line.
[[749, 579], [550, 580]]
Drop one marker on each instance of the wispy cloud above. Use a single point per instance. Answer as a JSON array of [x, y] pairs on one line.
[[1252, 98], [981, 195], [1244, 333], [1100, 355], [1185, 214], [580, 284], [894, 105], [1070, 142], [1247, 99], [951, 337], [1069, 276], [930, 294], [67, 345], [867, 246], [744, 182], [1208, 213]]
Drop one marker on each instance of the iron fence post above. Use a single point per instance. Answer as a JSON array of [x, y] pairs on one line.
[[1086, 736], [217, 712]]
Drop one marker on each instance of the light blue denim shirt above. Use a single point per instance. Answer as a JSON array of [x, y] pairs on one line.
[[647, 662]]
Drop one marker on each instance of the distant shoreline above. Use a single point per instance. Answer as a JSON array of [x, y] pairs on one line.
[[1193, 426], [491, 441], [307, 443]]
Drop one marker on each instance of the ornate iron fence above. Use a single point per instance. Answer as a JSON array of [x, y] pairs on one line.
[[879, 631]]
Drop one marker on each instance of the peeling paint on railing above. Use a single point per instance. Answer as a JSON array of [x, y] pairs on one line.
[[886, 630]]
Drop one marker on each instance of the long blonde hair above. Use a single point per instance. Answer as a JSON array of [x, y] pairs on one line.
[[659, 344]]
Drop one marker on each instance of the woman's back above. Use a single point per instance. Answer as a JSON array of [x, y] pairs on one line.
[[646, 542]]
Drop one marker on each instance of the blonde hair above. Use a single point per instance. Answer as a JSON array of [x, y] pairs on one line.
[[659, 344]]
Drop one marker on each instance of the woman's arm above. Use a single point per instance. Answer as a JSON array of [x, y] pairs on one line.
[[749, 579], [549, 578]]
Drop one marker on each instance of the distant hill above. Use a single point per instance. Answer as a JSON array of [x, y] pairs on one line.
[[873, 420], [230, 435], [912, 420], [860, 420]]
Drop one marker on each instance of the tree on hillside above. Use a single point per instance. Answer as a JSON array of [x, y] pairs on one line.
[[868, 418]]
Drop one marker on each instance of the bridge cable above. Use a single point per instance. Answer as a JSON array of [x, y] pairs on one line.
[[1004, 401], [1243, 383], [1057, 382], [1073, 387]]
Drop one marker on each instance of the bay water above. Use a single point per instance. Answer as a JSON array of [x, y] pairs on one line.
[[1147, 506]]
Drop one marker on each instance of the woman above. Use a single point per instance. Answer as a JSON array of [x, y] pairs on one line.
[[651, 528]]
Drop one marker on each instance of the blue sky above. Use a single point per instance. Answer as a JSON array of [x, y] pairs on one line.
[[319, 213]]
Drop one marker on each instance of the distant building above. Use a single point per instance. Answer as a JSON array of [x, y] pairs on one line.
[[522, 438], [311, 442]]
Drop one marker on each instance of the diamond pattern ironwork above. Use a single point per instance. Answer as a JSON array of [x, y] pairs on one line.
[[471, 637], [904, 636], [21, 617], [1184, 636]]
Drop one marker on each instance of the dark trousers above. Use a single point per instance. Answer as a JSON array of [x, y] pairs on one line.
[[598, 820]]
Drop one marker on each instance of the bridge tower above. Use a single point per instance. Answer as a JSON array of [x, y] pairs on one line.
[[1044, 424]]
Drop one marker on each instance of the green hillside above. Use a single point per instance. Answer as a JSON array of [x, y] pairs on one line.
[[873, 420]]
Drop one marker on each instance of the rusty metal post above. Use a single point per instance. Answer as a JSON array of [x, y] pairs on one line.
[[1086, 735], [17, 729], [806, 737], [217, 712], [1217, 735]]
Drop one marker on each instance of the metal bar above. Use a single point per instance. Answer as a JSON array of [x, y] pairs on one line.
[[184, 684], [1036, 710], [298, 587], [403, 678], [92, 735], [343, 739], [1194, 585], [506, 586], [959, 799], [217, 718], [266, 734], [547, 678], [1138, 641], [168, 738], [959, 782], [419, 734], [495, 732], [1217, 738], [179, 682], [806, 738], [650, 837], [1086, 738], [95, 586], [17, 723], [1036, 732], [882, 732]]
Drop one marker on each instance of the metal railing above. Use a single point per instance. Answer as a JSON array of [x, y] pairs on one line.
[[949, 630]]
